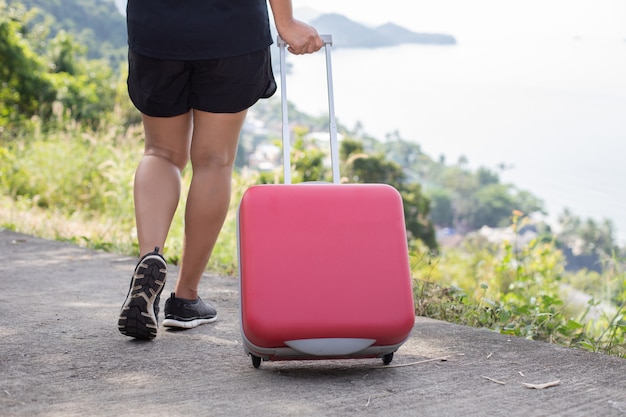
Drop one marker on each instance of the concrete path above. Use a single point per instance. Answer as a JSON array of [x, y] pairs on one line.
[[62, 355]]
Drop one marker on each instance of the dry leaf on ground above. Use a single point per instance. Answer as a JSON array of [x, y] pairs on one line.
[[493, 380], [542, 386]]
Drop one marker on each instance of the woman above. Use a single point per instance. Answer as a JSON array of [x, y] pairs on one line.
[[195, 67]]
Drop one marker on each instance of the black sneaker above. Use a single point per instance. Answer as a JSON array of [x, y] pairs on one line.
[[140, 312], [187, 314]]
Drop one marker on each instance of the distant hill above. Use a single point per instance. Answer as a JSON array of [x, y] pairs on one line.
[[99, 20], [399, 34], [350, 34], [96, 24]]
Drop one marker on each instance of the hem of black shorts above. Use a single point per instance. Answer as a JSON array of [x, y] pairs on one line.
[[202, 56]]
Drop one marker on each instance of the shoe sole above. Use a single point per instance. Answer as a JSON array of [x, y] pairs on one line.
[[187, 324], [137, 318]]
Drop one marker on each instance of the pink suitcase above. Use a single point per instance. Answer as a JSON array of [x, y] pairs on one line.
[[323, 268]]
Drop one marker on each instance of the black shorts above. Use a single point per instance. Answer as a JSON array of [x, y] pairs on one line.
[[163, 88]]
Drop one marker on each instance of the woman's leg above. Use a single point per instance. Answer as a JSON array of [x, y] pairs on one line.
[[158, 177], [157, 191], [213, 150]]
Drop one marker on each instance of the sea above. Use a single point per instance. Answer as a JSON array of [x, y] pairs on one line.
[[547, 114]]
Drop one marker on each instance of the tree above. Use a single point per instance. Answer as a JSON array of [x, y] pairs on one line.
[[441, 209], [493, 207], [30, 84], [97, 23], [64, 52], [85, 87], [401, 151], [587, 236], [360, 167], [25, 89], [416, 214], [364, 168], [307, 163], [485, 176]]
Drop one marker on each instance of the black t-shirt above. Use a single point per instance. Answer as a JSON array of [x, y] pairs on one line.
[[188, 30]]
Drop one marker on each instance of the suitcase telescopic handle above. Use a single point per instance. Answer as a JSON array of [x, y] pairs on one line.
[[334, 147]]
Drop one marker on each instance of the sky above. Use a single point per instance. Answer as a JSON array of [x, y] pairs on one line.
[[480, 18]]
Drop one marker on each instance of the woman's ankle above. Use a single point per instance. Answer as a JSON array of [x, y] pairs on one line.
[[186, 294]]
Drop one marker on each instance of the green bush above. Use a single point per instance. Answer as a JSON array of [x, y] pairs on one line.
[[516, 290]]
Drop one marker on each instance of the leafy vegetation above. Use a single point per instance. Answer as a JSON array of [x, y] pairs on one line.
[[518, 290], [39, 73], [96, 23], [70, 141]]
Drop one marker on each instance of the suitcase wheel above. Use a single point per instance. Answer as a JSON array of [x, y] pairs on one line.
[[256, 361], [388, 358]]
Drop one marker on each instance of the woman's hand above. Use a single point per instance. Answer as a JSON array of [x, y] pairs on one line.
[[301, 38]]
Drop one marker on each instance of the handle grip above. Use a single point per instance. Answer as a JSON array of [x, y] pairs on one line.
[[327, 39]]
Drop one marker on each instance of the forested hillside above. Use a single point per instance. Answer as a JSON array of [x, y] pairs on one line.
[[96, 24]]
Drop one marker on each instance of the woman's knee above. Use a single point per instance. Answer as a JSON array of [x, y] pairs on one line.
[[215, 139], [214, 160], [176, 158], [169, 138]]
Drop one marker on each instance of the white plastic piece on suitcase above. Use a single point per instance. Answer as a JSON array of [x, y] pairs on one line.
[[334, 147], [330, 346]]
